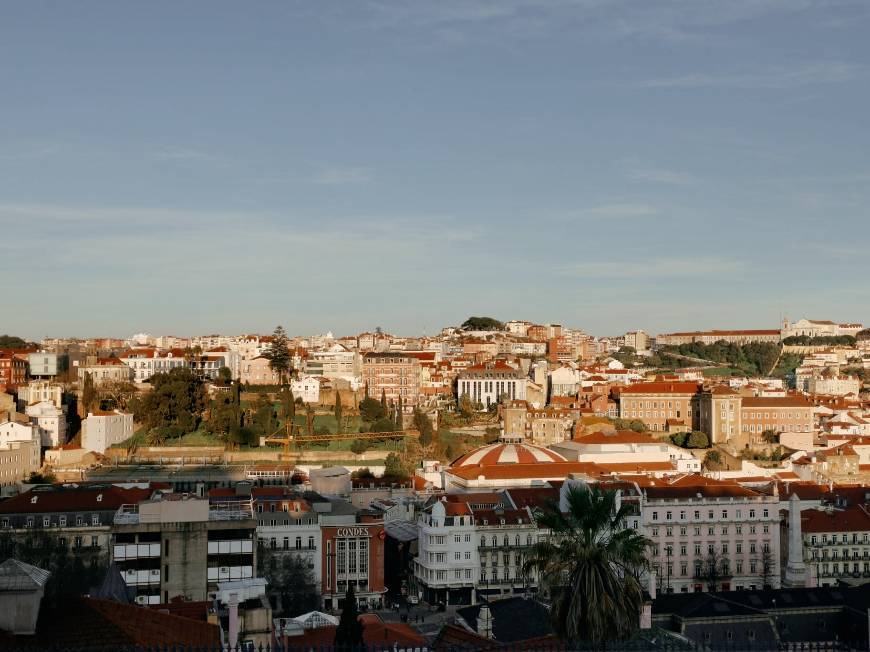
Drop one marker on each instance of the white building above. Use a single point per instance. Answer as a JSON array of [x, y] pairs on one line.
[[307, 388], [335, 363], [101, 430], [40, 390], [147, 362], [564, 381], [626, 446], [817, 328], [19, 452], [833, 385], [718, 536], [51, 421], [447, 565], [487, 383]]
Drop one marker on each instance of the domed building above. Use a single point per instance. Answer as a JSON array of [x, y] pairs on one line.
[[505, 453], [504, 464]]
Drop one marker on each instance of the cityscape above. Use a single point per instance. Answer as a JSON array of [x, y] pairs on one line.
[[434, 326]]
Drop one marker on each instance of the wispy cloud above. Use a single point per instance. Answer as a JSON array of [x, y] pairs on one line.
[[653, 268], [770, 78], [179, 153], [622, 210]]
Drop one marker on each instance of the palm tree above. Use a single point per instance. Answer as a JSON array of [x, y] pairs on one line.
[[590, 564]]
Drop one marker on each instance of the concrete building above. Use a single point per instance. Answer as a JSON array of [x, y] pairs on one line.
[[51, 421], [638, 340], [335, 363], [626, 446], [18, 459], [102, 430], [833, 385], [20, 451], [770, 336], [46, 365], [777, 413], [181, 546], [489, 382], [147, 362]]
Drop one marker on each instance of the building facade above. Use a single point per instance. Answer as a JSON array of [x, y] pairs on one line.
[[490, 382], [393, 375], [103, 429], [655, 403], [181, 546]]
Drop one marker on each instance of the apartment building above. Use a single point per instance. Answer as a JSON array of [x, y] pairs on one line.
[[18, 459], [76, 517], [287, 524], [103, 429], [256, 371], [147, 362], [491, 381], [180, 546], [46, 365], [709, 537], [106, 370], [13, 369], [51, 421], [836, 545], [40, 390], [778, 413], [335, 363], [657, 402], [447, 565], [394, 375], [719, 413]]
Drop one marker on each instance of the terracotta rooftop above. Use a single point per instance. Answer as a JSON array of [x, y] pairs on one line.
[[851, 519]]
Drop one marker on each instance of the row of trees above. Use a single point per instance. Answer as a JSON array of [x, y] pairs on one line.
[[822, 340], [754, 358], [693, 439]]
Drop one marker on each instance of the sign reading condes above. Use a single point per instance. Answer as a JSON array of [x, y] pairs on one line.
[[352, 532]]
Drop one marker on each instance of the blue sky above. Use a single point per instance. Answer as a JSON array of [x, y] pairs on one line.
[[183, 167]]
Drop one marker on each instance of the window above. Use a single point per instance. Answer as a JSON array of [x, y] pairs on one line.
[[61, 520], [46, 521], [95, 519], [655, 516]]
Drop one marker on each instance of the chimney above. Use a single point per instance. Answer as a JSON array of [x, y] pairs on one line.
[[234, 621], [484, 622]]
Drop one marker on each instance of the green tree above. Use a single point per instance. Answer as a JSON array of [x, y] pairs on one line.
[[384, 401], [715, 570], [349, 633], [264, 416], [384, 424], [590, 565], [423, 426], [89, 395], [371, 409], [482, 324], [177, 398], [11, 342], [116, 394], [290, 581], [400, 411], [224, 377], [466, 407], [337, 411], [698, 439], [288, 404], [679, 439], [770, 436], [309, 418], [278, 354], [712, 458], [394, 467]]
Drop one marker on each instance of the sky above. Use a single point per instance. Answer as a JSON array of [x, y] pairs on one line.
[[208, 166]]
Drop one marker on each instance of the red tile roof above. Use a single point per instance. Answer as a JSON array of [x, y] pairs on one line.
[[70, 499], [662, 388], [851, 519]]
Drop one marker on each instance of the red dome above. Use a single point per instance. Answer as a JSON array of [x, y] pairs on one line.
[[500, 453]]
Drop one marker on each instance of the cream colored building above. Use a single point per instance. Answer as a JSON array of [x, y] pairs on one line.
[[257, 372], [38, 391], [720, 414], [101, 430], [51, 421], [105, 370], [834, 385], [18, 460]]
